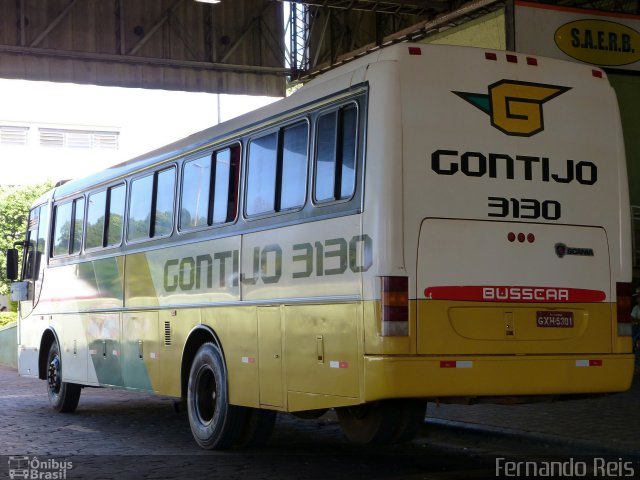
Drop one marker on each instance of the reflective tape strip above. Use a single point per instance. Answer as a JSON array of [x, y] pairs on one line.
[[335, 364], [248, 360], [456, 364], [588, 363]]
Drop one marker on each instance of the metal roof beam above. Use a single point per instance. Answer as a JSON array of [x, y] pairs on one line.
[[56, 21], [140, 61], [391, 7]]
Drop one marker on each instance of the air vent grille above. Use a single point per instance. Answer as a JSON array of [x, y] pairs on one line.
[[167, 333]]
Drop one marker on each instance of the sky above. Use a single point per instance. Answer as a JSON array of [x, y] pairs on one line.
[[146, 119]]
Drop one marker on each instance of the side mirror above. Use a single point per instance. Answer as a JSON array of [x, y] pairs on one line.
[[12, 264]]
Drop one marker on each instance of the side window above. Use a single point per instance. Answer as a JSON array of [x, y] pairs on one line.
[[78, 220], [95, 220], [196, 183], [165, 196], [62, 229], [261, 183], [277, 176], [29, 261], [336, 140], [210, 189], [140, 208], [151, 205], [105, 215], [294, 166], [67, 227], [226, 182], [116, 215]]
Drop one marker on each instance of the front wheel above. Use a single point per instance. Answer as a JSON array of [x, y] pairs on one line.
[[214, 423], [63, 396]]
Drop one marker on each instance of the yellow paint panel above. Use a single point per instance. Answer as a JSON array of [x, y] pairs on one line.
[[180, 323], [139, 290], [336, 373], [237, 330], [447, 327], [424, 377], [375, 343], [270, 355]]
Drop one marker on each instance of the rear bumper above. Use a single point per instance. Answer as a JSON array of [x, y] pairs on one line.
[[463, 376]]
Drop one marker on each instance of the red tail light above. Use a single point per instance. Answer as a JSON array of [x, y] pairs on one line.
[[623, 295], [395, 306]]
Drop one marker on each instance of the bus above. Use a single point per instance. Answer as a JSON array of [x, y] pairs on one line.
[[424, 222]]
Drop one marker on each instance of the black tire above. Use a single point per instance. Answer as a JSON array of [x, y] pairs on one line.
[[63, 396], [258, 427], [412, 417], [214, 423], [382, 423]]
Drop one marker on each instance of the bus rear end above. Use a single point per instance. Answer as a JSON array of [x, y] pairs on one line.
[[510, 236]]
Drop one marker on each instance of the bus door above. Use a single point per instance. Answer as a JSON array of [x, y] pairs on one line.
[[34, 257]]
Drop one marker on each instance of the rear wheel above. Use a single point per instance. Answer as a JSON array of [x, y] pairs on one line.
[[214, 423], [382, 423], [257, 428], [63, 396]]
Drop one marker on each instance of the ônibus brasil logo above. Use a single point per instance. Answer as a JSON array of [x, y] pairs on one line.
[[515, 108]]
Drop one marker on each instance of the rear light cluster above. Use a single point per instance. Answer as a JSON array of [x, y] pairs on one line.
[[532, 61], [521, 237], [623, 296], [395, 306], [511, 58]]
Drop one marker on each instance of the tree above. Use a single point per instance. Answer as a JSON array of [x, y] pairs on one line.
[[14, 211]]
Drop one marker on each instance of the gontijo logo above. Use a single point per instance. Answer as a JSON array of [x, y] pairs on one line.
[[515, 108]]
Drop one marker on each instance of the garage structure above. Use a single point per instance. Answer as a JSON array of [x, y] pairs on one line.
[[258, 46]]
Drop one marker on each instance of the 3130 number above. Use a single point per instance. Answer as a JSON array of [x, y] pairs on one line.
[[528, 208]]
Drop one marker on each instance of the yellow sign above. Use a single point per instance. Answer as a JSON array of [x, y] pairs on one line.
[[599, 42]]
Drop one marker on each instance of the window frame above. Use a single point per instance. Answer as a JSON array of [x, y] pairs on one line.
[[72, 226], [107, 218], [237, 183], [151, 235], [279, 130], [338, 109]]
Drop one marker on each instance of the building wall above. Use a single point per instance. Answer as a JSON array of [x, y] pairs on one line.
[[627, 87], [9, 346], [487, 31]]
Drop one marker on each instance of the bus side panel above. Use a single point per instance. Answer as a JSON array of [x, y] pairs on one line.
[[73, 347], [314, 270], [192, 274], [31, 330], [103, 337], [236, 328], [174, 327], [322, 355]]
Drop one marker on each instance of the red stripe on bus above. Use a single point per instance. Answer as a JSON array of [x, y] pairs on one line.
[[524, 294]]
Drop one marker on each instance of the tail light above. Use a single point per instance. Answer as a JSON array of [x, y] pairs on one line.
[[623, 295], [395, 306]]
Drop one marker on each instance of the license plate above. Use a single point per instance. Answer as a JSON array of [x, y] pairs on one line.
[[554, 319]]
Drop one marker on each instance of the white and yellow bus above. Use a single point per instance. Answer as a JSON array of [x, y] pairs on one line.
[[423, 222]]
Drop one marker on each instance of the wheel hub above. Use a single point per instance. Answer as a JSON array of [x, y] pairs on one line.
[[53, 375]]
